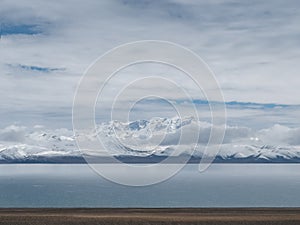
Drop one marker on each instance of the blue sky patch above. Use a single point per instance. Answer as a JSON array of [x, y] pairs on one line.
[[37, 68], [30, 29], [244, 105]]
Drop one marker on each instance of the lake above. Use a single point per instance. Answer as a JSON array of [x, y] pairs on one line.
[[222, 185]]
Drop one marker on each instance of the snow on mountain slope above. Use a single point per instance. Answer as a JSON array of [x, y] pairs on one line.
[[259, 152], [155, 137], [36, 143]]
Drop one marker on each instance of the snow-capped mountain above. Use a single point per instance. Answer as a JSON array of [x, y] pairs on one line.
[[20, 144], [259, 153], [157, 137]]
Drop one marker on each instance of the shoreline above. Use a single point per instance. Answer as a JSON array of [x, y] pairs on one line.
[[149, 216]]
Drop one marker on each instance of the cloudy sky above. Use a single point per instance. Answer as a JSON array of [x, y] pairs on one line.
[[252, 47]]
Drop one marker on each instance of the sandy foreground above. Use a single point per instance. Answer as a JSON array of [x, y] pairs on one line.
[[243, 216]]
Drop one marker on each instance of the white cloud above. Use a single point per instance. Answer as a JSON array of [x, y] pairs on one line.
[[281, 134], [253, 49], [13, 133]]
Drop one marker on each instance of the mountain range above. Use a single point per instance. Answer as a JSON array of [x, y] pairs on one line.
[[142, 141]]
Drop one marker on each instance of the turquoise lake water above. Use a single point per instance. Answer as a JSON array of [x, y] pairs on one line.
[[222, 185]]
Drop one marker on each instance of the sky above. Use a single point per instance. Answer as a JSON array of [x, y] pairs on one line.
[[251, 46]]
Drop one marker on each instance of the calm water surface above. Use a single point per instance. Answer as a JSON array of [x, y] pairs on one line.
[[222, 185]]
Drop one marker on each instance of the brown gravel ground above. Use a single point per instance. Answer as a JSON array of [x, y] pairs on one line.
[[222, 216]]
